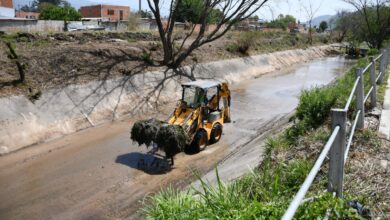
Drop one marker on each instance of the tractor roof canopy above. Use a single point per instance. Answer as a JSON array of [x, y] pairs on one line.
[[203, 84]]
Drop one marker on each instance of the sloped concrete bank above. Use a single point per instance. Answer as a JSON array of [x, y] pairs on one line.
[[59, 112]]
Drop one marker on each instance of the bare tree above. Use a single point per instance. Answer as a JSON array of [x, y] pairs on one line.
[[310, 10], [12, 55], [375, 15], [232, 11], [343, 24]]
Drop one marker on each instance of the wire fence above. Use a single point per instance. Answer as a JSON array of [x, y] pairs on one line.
[[338, 144]]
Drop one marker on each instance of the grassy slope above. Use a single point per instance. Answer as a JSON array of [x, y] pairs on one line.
[[266, 192]]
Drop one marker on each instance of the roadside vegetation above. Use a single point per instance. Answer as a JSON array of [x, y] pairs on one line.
[[266, 192]]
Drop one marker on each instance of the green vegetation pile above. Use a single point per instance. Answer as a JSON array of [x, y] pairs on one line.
[[266, 192], [145, 131], [171, 139]]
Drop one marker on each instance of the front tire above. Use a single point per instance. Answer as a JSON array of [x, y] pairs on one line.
[[216, 133], [200, 141]]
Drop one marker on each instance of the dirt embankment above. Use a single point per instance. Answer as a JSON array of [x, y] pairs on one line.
[[61, 59]]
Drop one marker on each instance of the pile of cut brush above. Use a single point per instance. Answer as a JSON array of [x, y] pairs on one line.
[[171, 139]]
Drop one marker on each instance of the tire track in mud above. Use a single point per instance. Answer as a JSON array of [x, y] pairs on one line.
[[270, 126]]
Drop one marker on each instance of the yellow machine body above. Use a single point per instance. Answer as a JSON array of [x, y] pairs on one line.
[[202, 111]]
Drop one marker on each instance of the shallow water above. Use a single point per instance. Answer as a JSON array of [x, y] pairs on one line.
[[278, 93]]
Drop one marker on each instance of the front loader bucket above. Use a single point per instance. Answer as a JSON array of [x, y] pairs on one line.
[[145, 131], [171, 139]]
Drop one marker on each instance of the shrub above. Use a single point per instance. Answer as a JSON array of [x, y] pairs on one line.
[[147, 58], [372, 52], [232, 48], [315, 105], [244, 43]]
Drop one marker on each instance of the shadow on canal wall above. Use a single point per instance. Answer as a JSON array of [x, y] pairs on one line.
[[59, 112]]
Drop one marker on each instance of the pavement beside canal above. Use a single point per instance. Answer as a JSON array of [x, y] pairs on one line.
[[384, 127]]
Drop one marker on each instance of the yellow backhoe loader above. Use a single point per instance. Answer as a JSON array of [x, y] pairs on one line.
[[202, 111], [197, 120]]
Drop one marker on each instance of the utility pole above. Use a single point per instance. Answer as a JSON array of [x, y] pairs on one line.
[[140, 8]]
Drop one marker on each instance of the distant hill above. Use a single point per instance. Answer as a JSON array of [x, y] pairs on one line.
[[317, 20]]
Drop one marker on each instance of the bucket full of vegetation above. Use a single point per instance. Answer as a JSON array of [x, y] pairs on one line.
[[171, 139]]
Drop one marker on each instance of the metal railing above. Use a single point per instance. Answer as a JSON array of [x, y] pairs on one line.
[[338, 145]]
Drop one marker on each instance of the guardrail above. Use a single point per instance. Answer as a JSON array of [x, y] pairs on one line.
[[338, 145]]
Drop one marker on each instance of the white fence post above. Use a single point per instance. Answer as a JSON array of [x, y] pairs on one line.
[[387, 57], [360, 98], [336, 163], [373, 83]]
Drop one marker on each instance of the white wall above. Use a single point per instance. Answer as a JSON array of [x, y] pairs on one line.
[[21, 25], [7, 12]]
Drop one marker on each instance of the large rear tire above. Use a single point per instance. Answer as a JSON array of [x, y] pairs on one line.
[[216, 133], [200, 141]]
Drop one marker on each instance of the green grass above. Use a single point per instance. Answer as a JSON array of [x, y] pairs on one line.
[[262, 194]]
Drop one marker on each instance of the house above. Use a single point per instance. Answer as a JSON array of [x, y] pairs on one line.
[[106, 12], [7, 9], [297, 27], [248, 24], [27, 15]]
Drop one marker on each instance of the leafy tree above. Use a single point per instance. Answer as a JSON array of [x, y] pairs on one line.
[[53, 2], [282, 21], [39, 5], [215, 16], [192, 11], [145, 14], [343, 24], [373, 17], [66, 13], [28, 8], [323, 26]]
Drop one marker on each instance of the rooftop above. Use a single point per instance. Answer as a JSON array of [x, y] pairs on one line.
[[104, 5], [204, 84]]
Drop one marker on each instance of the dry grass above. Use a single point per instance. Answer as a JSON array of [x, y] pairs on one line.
[[368, 172]]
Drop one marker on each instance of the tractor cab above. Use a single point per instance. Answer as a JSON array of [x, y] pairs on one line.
[[202, 93]]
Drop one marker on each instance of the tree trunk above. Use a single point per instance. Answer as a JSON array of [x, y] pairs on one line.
[[13, 56]]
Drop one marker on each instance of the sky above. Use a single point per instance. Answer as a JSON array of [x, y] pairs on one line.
[[275, 7]]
